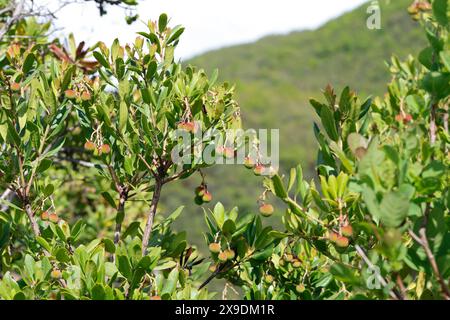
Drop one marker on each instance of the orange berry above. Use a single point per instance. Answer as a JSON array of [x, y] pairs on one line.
[[258, 170], [70, 94], [85, 96], [249, 163], [347, 230], [207, 197], [44, 215], [15, 86], [300, 288], [214, 247], [228, 152], [89, 145], [55, 274], [266, 210], [155, 298], [105, 148], [342, 242], [223, 256], [333, 236], [230, 254], [53, 218]]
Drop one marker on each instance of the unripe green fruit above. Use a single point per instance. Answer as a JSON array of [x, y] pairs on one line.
[[85, 96], [70, 94], [198, 200], [55, 274], [258, 170], [296, 263], [413, 9], [342, 242], [347, 231], [15, 86], [223, 256], [268, 278], [207, 197], [282, 262], [214, 247], [230, 254], [213, 268], [300, 288], [53, 218], [289, 257], [249, 163], [266, 210], [89, 145]]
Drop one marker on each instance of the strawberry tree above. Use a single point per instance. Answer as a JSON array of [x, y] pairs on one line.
[[71, 125], [132, 114], [377, 224]]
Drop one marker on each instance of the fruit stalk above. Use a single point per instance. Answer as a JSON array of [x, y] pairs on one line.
[[32, 219]]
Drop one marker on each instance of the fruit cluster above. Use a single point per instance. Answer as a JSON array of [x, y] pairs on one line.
[[341, 238], [189, 126], [100, 149], [52, 217], [419, 7], [74, 94], [202, 195], [220, 255]]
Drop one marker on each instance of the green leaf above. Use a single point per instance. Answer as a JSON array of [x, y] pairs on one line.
[[219, 214], [109, 245], [445, 57], [109, 198], [44, 243], [440, 11], [171, 282], [162, 22], [327, 117], [278, 186], [394, 208], [125, 267], [176, 33], [437, 84], [62, 255], [30, 266], [101, 59], [98, 292], [28, 63], [345, 274], [123, 116]]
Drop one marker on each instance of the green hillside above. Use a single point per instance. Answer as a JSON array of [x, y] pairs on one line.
[[276, 75]]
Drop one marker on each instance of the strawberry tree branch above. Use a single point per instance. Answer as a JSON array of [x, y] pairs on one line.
[[423, 241], [151, 215], [380, 278]]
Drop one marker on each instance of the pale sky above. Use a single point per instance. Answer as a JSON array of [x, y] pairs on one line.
[[210, 24]]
